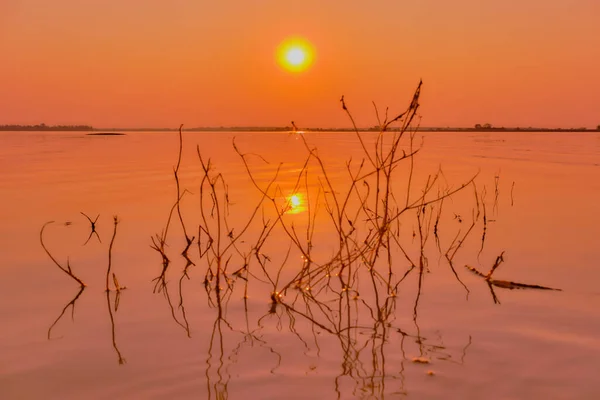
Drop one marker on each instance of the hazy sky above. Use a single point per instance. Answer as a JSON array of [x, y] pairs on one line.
[[132, 63]]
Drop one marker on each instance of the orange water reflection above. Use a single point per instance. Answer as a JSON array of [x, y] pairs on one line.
[[345, 347]]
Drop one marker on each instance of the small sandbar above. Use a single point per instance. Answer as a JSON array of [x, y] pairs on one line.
[[106, 134]]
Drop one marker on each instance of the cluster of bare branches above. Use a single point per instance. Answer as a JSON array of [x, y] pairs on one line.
[[368, 215]]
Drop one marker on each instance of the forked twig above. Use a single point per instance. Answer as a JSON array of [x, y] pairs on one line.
[[70, 304], [93, 227], [115, 281]]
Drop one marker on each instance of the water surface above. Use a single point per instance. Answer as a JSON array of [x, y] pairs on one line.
[[542, 192]]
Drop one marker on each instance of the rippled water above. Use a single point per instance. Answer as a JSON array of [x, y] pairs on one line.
[[187, 340]]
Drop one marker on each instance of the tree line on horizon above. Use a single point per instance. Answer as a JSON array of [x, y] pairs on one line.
[[476, 127], [44, 127]]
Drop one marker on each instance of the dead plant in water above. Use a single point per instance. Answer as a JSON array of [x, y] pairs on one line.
[[67, 270], [93, 230], [368, 215], [118, 288], [503, 283], [159, 240]]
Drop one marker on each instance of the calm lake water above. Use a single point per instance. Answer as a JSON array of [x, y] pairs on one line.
[[182, 337]]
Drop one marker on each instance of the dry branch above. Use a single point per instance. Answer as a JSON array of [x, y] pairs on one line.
[[67, 270]]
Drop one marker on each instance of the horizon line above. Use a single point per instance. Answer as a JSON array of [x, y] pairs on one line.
[[374, 128]]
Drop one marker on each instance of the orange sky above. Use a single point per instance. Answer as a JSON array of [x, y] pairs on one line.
[[136, 63]]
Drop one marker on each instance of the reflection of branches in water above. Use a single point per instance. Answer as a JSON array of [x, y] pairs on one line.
[[428, 350], [220, 386], [163, 287], [216, 340], [92, 227], [343, 322], [364, 345], [464, 352], [67, 270], [112, 323], [181, 305], [217, 371], [110, 306], [70, 304], [250, 337]]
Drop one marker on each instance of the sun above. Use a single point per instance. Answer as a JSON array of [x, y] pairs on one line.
[[295, 204], [295, 54]]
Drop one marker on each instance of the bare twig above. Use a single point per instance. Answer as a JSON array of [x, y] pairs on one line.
[[92, 226], [67, 270], [116, 282]]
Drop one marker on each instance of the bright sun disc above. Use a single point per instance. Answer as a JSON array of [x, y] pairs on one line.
[[295, 201], [295, 54], [295, 204]]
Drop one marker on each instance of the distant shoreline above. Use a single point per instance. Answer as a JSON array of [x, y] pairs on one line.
[[108, 131], [105, 134]]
